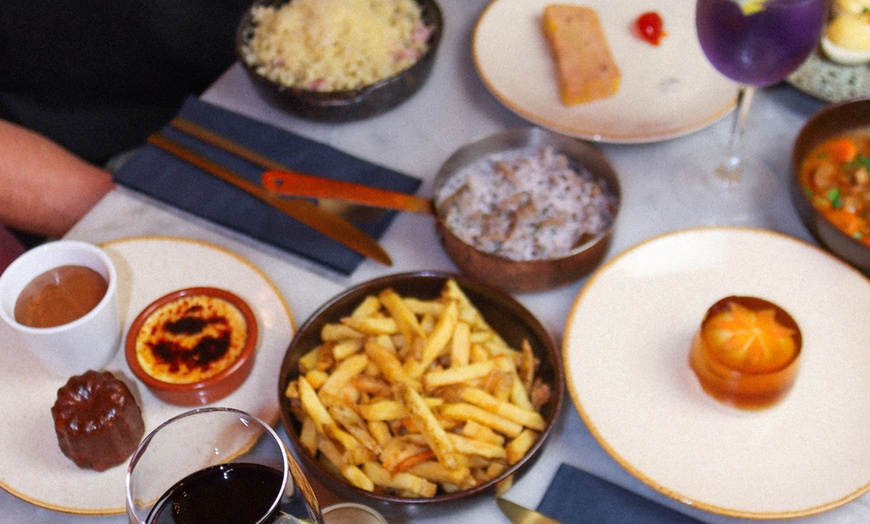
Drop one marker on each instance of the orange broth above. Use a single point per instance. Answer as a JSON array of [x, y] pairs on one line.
[[835, 176]]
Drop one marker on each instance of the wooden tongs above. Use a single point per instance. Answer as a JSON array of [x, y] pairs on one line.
[[278, 180], [285, 181]]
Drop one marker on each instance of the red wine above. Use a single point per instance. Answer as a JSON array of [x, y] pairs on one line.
[[228, 493]]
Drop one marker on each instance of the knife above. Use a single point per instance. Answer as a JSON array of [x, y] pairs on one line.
[[292, 183], [281, 179], [520, 515], [305, 212]]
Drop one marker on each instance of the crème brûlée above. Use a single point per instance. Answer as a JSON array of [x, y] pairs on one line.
[[191, 339], [746, 352]]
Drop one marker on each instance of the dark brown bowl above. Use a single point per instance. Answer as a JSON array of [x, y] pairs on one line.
[[343, 106], [530, 275], [507, 316], [205, 391], [830, 121]]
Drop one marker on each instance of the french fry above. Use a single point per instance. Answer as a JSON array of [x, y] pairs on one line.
[[406, 320], [463, 411], [472, 429], [343, 373], [337, 331], [380, 431], [350, 420], [382, 410], [434, 471], [401, 481], [435, 435], [351, 472], [372, 325], [526, 367], [527, 417], [519, 446], [312, 405], [458, 375], [440, 336], [460, 347], [475, 447], [308, 361], [317, 378], [308, 435], [346, 347], [369, 306], [388, 363], [432, 308]]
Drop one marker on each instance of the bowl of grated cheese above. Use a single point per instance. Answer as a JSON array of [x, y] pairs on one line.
[[339, 60], [526, 209]]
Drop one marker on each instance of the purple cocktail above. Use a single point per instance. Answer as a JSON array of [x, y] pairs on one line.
[[759, 43]]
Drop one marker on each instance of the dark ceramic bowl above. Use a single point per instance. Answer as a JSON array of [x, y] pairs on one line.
[[531, 275], [830, 121], [205, 391], [342, 106], [504, 314]]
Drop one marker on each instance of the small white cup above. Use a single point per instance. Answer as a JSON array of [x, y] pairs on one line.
[[349, 513], [89, 342]]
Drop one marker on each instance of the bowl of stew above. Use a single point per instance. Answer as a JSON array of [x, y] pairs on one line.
[[830, 187]]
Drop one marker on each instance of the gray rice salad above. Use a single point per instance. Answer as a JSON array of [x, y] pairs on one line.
[[525, 204]]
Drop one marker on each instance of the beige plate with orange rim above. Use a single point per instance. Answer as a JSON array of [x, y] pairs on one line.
[[34, 468], [667, 90], [626, 350]]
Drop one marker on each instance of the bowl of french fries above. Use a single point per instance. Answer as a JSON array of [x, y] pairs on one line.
[[415, 390]]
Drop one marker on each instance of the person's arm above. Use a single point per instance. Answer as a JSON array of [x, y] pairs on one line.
[[44, 188]]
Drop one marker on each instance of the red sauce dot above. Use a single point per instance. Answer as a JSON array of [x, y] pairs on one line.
[[650, 27]]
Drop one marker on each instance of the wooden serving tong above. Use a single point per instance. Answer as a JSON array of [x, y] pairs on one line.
[[285, 181], [279, 180]]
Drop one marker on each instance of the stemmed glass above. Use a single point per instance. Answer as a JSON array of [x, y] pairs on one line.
[[756, 43]]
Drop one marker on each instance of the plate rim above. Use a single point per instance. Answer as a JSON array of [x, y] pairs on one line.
[[610, 449]]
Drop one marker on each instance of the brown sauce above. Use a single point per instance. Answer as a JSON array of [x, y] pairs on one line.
[[59, 296]]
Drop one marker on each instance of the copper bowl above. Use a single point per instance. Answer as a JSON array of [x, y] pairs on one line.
[[212, 388], [349, 105], [504, 314], [529, 275], [828, 122]]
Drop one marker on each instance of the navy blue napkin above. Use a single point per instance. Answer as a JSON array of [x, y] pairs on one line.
[[173, 181], [576, 497]]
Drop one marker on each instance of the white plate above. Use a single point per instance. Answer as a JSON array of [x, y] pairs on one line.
[[667, 90], [34, 468], [626, 352]]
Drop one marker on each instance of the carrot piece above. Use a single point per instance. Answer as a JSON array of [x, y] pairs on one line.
[[842, 149], [846, 221]]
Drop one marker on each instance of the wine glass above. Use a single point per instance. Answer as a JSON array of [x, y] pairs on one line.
[[217, 464], [756, 43]]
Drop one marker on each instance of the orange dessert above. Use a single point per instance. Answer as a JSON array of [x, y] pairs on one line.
[[585, 67], [193, 346], [191, 339], [746, 353]]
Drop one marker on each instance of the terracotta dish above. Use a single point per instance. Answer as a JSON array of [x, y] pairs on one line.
[[189, 358]]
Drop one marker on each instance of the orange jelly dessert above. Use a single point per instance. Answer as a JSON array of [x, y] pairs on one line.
[[746, 353]]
